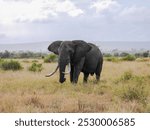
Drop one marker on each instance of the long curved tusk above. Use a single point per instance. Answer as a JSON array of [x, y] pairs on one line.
[[48, 75], [69, 69]]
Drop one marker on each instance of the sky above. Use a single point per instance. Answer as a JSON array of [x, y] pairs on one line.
[[26, 21]]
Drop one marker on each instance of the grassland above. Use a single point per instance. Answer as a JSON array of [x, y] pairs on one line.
[[124, 87]]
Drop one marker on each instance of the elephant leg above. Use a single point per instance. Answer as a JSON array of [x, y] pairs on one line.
[[86, 75], [98, 70], [71, 73], [76, 73], [77, 69]]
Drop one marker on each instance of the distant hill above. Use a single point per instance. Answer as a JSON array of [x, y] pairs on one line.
[[105, 46], [37, 47]]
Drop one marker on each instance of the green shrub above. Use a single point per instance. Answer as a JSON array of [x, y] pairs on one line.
[[112, 59], [36, 67], [107, 55], [10, 65], [1, 60], [133, 87], [129, 58], [127, 76], [135, 92], [142, 59], [50, 58], [124, 54]]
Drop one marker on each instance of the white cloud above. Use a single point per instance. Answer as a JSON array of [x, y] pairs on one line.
[[2, 35], [135, 14], [33, 10], [66, 7], [105, 5]]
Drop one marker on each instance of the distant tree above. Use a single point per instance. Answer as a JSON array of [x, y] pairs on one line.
[[107, 55], [116, 54], [138, 55], [1, 54], [6, 54], [123, 54], [146, 54], [22, 54]]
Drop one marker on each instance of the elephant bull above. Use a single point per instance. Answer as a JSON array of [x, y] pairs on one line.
[[82, 57]]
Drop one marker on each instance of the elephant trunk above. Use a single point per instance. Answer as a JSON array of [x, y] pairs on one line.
[[62, 67], [69, 69], [64, 59]]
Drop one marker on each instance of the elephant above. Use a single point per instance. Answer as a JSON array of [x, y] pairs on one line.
[[80, 55]]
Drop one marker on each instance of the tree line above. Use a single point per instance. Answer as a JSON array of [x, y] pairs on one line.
[[29, 54], [22, 54], [124, 54]]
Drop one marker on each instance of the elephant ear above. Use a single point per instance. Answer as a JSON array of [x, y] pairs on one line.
[[53, 47], [81, 48]]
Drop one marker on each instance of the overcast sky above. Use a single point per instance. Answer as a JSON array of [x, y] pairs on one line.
[[93, 20]]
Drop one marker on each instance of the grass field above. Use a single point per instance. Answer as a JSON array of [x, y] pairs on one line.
[[124, 87]]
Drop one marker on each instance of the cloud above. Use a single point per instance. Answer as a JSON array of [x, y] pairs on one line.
[[40, 20], [115, 12], [2, 35], [134, 14], [35, 10], [105, 5]]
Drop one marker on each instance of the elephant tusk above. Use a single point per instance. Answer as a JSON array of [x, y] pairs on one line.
[[69, 69], [48, 75]]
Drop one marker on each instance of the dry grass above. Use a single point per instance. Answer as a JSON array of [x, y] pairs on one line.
[[24, 91]]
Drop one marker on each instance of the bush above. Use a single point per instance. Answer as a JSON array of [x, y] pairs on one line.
[[135, 92], [107, 55], [1, 60], [129, 58], [36, 67], [127, 76], [142, 59], [112, 59], [10, 65], [133, 87], [146, 54], [50, 58], [124, 54]]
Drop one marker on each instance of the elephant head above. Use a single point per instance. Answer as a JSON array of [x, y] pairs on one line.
[[69, 52], [53, 47]]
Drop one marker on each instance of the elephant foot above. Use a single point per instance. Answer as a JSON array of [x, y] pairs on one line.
[[62, 80]]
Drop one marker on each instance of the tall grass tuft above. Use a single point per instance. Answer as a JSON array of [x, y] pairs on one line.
[[127, 76], [132, 87], [135, 92]]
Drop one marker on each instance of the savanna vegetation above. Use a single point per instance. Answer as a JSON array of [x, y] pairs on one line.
[[124, 86]]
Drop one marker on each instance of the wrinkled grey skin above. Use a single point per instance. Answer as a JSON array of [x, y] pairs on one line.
[[83, 57]]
